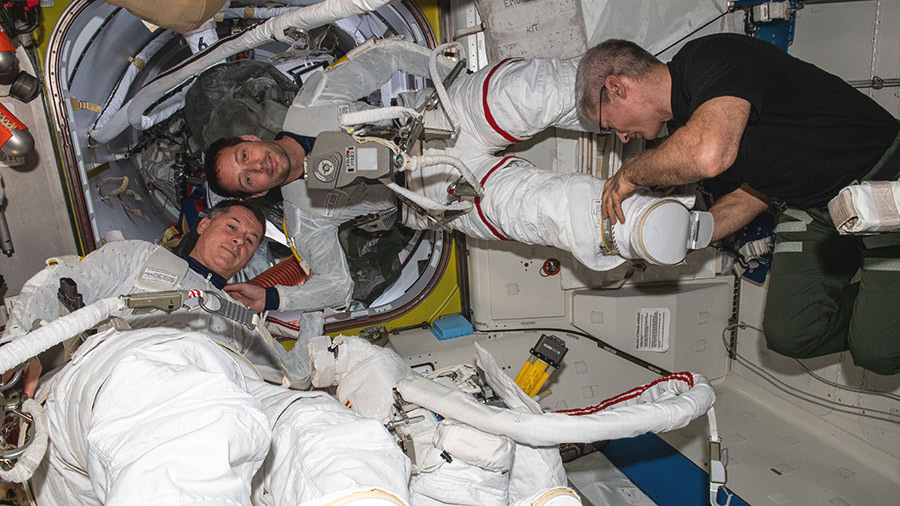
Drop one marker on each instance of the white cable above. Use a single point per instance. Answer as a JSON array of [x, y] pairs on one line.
[[413, 163], [32, 456], [349, 119], [439, 84], [256, 12], [427, 203], [31, 344]]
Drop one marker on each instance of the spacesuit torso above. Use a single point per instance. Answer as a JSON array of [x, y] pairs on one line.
[[125, 267]]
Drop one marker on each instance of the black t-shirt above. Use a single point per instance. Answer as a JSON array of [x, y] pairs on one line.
[[809, 133], [305, 142]]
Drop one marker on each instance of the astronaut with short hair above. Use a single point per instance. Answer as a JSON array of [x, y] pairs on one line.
[[176, 409]]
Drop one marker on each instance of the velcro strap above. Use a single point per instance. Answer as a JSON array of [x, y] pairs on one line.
[[78, 105], [842, 213], [138, 62], [885, 206]]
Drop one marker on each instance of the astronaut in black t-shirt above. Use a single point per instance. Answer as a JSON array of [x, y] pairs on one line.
[[761, 126]]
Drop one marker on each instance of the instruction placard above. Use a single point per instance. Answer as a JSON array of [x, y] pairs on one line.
[[652, 331]]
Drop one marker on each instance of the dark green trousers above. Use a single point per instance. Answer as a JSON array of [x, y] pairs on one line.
[[814, 309]]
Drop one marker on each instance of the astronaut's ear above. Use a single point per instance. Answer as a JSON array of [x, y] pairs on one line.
[[250, 138], [203, 225], [615, 86]]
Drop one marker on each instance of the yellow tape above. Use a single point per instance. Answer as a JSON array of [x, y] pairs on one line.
[[532, 377], [290, 241], [138, 62], [78, 105]]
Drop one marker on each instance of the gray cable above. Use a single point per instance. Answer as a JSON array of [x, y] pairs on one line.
[[838, 406], [825, 380]]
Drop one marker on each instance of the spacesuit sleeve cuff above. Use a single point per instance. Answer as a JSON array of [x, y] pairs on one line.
[[272, 298]]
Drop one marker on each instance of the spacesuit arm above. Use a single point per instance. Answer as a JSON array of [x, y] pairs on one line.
[[525, 97], [106, 272], [372, 65], [325, 94], [330, 286]]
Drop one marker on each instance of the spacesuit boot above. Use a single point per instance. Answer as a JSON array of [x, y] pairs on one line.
[[659, 230]]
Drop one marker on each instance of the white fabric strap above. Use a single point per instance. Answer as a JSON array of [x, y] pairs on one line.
[[868, 207]]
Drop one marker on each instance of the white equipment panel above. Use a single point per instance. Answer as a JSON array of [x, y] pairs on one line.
[[677, 327]]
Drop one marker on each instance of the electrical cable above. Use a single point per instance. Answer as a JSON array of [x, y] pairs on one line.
[[600, 343], [815, 399], [679, 41], [849, 388], [8, 21]]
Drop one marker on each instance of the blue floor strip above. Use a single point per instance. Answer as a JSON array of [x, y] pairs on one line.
[[664, 474]]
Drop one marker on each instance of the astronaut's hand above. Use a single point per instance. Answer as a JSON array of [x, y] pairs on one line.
[[248, 294], [615, 190], [31, 376]]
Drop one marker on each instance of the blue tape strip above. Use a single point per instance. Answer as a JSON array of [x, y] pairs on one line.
[[664, 474]]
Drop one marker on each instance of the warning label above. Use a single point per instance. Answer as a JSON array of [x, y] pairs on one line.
[[652, 331], [154, 274]]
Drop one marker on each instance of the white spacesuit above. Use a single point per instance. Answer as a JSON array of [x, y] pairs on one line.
[[475, 452], [509, 102], [177, 415], [125, 267], [498, 105]]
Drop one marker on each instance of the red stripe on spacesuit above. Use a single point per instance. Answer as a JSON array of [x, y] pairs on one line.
[[487, 110], [484, 219], [631, 394]]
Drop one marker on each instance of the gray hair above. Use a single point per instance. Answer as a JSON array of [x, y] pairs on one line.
[[223, 207], [613, 57]]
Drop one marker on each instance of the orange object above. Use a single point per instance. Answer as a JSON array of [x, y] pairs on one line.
[[5, 43], [286, 273], [15, 139]]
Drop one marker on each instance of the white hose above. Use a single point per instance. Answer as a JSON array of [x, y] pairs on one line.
[[134, 68], [412, 163], [31, 458], [31, 344], [676, 407], [427, 203], [304, 18], [163, 111], [251, 12], [349, 119], [439, 84]]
